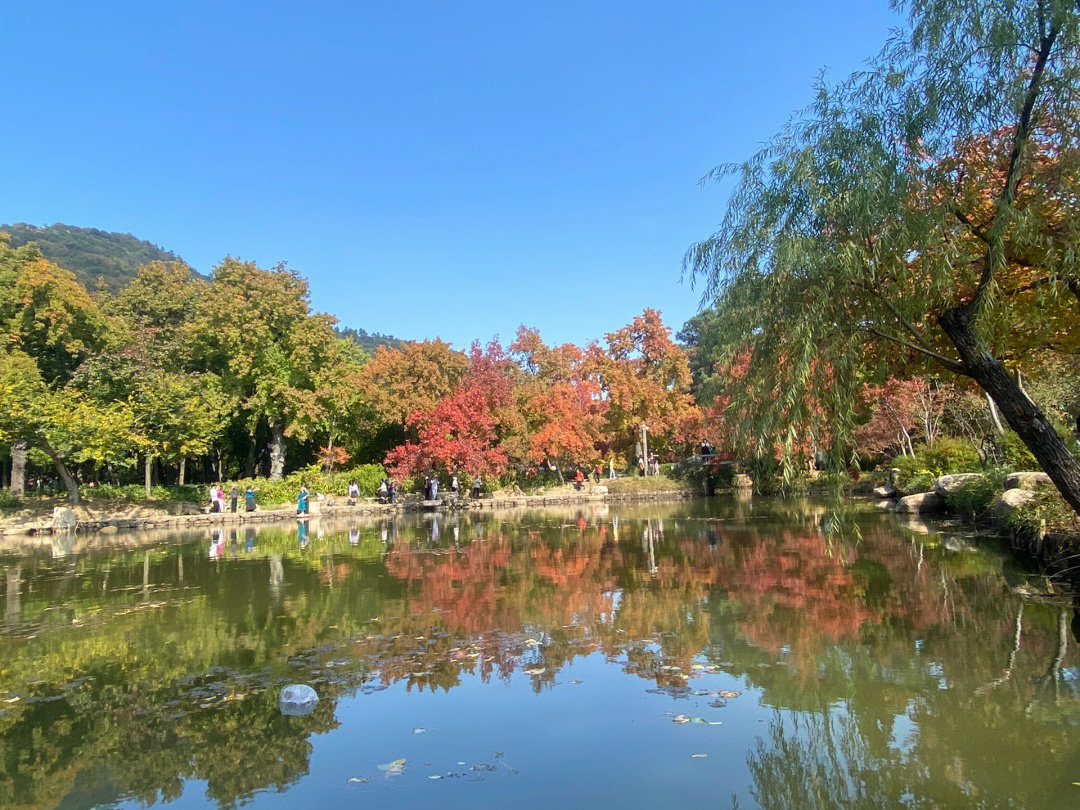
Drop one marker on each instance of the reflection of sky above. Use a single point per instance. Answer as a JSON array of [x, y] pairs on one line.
[[602, 743]]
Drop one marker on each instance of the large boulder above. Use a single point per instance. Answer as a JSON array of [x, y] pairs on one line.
[[920, 503], [1010, 501], [884, 505], [1027, 480], [949, 484], [884, 492]]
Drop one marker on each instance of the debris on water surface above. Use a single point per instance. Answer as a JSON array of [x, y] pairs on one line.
[[419, 730], [435, 776], [728, 694], [394, 768], [360, 779], [536, 671], [685, 718], [296, 699], [698, 756], [575, 683]]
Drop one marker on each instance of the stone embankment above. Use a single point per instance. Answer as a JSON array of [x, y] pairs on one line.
[[69, 519]]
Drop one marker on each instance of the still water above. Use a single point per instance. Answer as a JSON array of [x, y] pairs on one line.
[[719, 653]]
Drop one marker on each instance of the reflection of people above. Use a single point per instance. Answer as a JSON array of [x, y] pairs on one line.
[[301, 533], [354, 536], [302, 502]]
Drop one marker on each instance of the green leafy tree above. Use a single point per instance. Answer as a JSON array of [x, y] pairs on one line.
[[255, 326]]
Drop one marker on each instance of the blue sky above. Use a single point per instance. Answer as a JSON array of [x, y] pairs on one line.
[[434, 169]]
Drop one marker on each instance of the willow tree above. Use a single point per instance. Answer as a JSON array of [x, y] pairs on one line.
[[925, 209]]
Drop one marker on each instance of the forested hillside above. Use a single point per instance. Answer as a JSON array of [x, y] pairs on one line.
[[89, 253], [369, 341]]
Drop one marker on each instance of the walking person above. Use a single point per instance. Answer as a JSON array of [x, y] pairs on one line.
[[383, 491], [454, 485], [354, 492], [234, 496]]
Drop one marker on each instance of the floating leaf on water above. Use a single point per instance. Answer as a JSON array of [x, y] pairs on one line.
[[727, 694], [536, 671], [434, 776], [393, 768], [461, 763], [575, 683], [419, 730], [698, 756], [361, 779]]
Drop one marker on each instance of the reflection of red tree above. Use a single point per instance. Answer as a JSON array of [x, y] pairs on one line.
[[797, 595], [794, 591]]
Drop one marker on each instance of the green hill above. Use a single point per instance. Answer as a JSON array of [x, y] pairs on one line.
[[369, 341], [89, 253], [115, 258]]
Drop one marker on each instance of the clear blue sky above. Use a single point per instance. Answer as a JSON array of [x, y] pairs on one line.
[[442, 169]]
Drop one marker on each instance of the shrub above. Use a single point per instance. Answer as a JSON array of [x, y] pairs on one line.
[[1013, 453], [7, 500], [192, 493], [948, 455], [973, 497], [270, 493]]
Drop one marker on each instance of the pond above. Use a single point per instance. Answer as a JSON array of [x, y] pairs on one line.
[[721, 652]]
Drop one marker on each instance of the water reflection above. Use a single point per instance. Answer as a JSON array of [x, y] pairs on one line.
[[893, 672]]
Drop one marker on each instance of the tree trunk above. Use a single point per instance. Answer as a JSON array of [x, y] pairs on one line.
[[147, 468], [70, 484], [1023, 416], [995, 417], [277, 451], [18, 468], [249, 463], [180, 474]]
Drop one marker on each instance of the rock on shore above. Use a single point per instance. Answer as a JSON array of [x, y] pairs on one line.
[[948, 484], [1027, 480], [921, 502]]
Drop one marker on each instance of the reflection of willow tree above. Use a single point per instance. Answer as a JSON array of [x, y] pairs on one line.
[[965, 746], [396, 601]]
